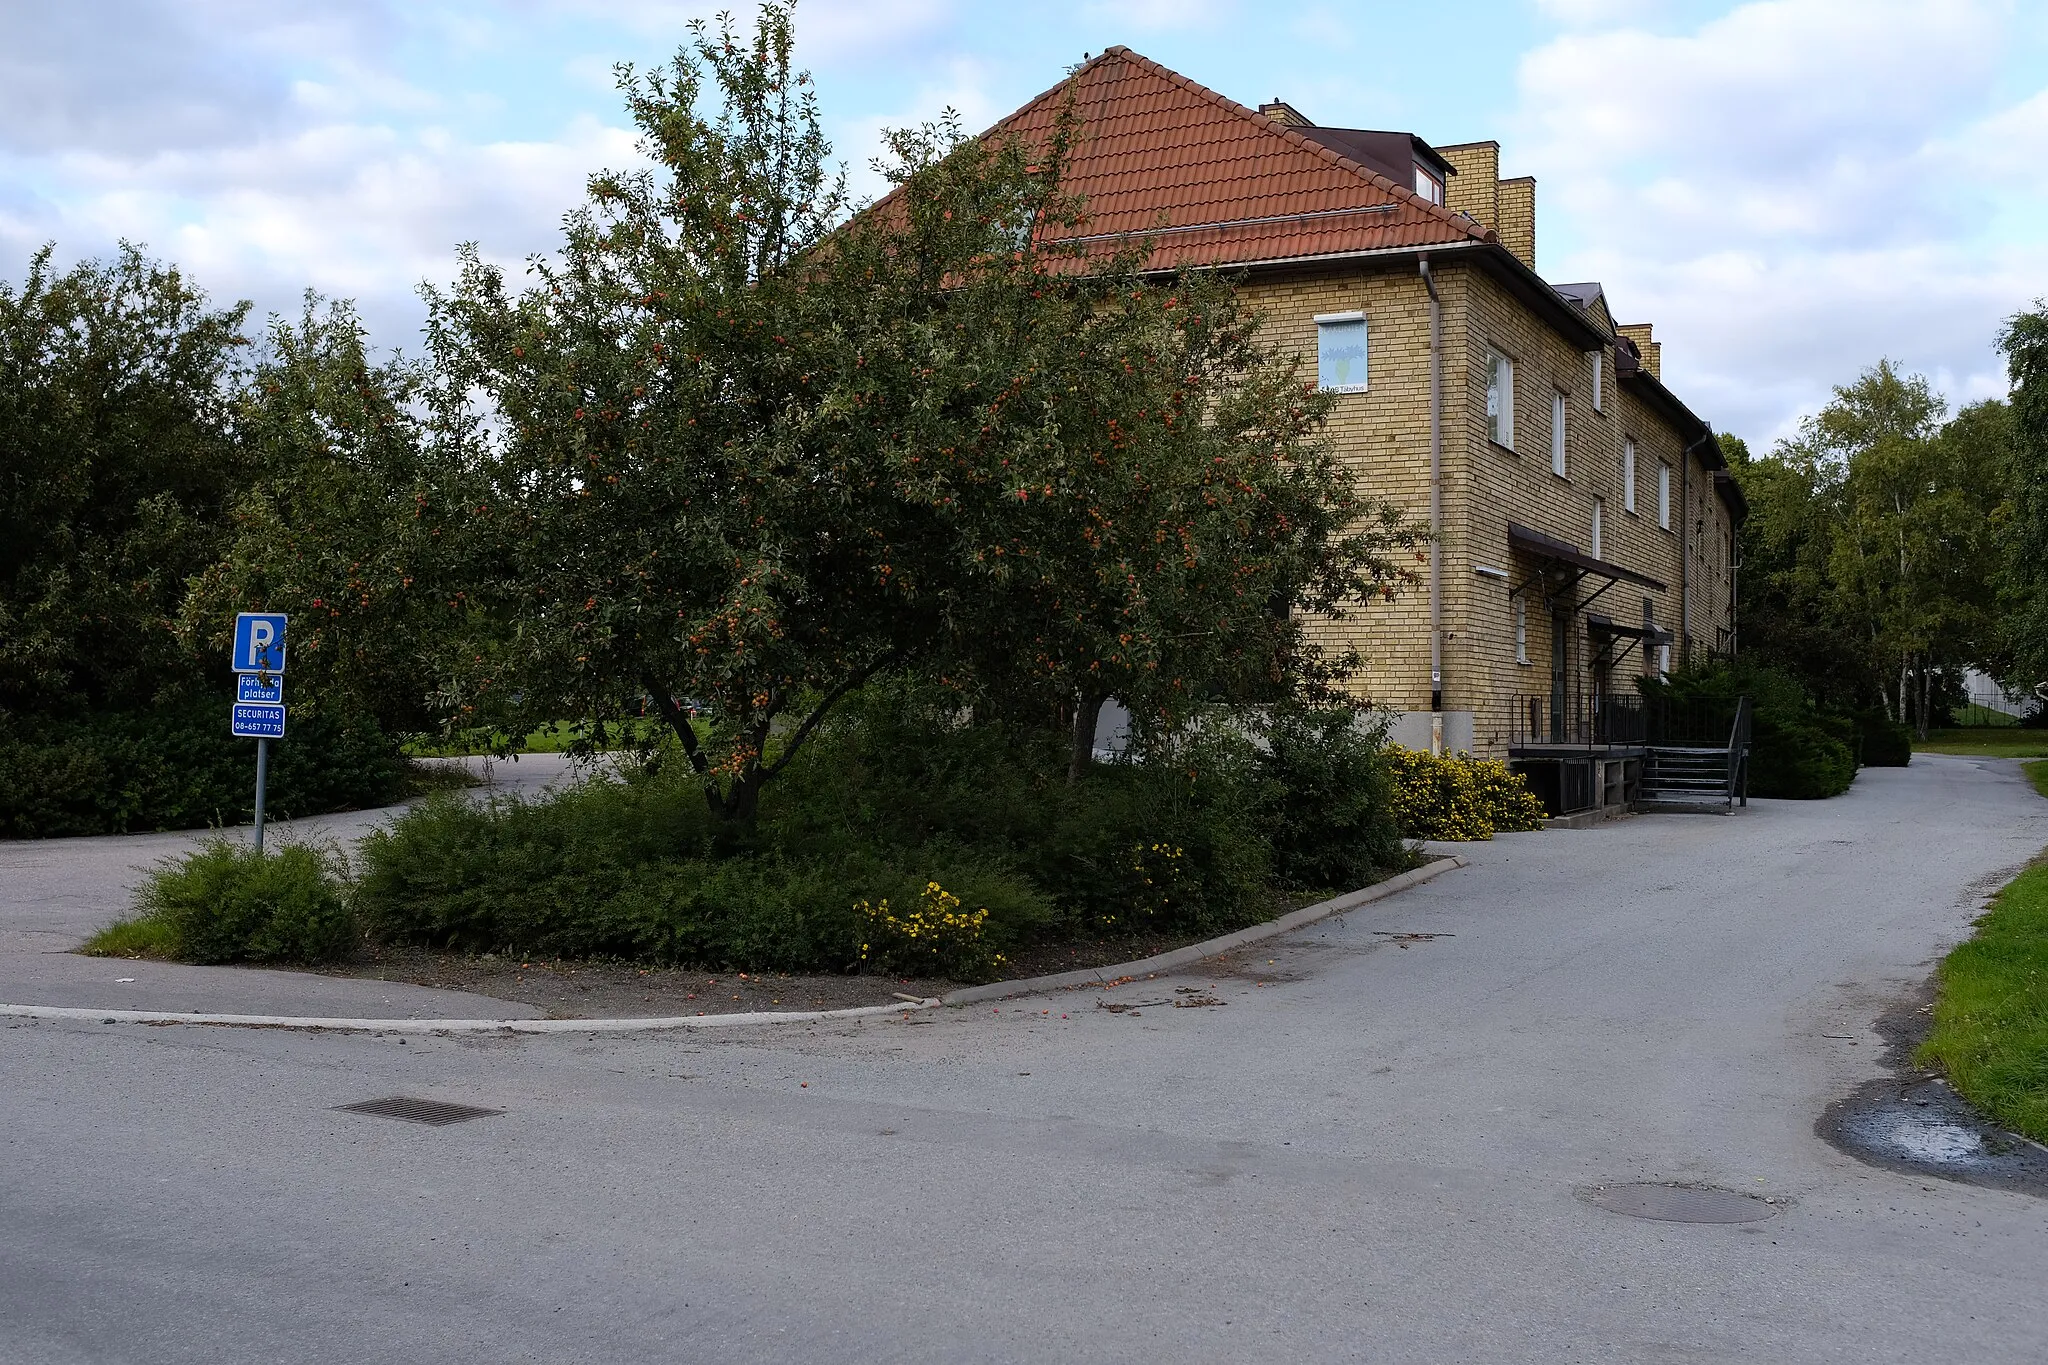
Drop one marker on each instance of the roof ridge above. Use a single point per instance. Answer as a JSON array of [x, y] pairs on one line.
[[1229, 105]]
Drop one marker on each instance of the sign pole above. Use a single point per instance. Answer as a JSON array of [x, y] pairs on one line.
[[262, 774], [258, 712]]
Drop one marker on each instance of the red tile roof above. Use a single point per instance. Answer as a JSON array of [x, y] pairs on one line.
[[1216, 183]]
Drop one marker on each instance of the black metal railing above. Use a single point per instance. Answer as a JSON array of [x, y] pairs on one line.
[[1577, 720], [1580, 721], [1693, 723]]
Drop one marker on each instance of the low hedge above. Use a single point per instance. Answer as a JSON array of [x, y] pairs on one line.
[[898, 840], [224, 902], [1882, 742], [1800, 758], [176, 767], [1458, 797]]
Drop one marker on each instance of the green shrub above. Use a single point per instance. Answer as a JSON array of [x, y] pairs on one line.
[[1881, 742], [631, 866], [1330, 808], [1800, 759], [1190, 835], [224, 902], [1459, 797], [176, 767]]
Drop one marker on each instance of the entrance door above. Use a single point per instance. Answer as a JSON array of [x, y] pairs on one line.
[[1560, 646]]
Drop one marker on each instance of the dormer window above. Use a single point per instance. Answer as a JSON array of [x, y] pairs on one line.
[[1429, 184]]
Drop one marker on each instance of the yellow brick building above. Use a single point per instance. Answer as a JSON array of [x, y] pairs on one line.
[[1584, 516]]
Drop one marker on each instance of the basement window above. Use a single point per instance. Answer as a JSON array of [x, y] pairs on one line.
[[1341, 352]]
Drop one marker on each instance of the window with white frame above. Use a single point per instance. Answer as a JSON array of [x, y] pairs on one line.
[[1596, 357], [1341, 352], [1521, 631], [1664, 495], [1599, 515], [1557, 432], [1628, 475], [1663, 661], [1500, 400], [1429, 184]]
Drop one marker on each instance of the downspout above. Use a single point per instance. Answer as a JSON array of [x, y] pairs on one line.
[[1436, 511], [1685, 548]]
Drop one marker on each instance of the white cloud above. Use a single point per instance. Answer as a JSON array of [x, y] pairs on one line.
[[360, 211], [1790, 191], [1594, 11], [962, 85], [827, 31], [1160, 16]]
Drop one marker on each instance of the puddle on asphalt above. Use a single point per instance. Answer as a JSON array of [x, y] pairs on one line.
[[1911, 1121], [1924, 1139]]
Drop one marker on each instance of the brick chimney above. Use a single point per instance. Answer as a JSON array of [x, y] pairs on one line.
[[1653, 351], [1506, 206], [1285, 114], [1475, 189], [1517, 222]]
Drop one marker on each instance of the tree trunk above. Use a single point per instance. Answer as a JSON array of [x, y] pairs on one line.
[[1081, 752], [1921, 718], [744, 800], [1905, 668]]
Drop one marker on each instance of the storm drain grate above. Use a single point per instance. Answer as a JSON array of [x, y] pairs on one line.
[[1681, 1203], [436, 1112]]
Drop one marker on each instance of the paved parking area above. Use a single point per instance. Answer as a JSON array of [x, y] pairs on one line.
[[1371, 1150], [55, 892]]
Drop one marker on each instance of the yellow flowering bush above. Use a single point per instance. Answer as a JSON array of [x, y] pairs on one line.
[[1159, 880], [1459, 797], [933, 937]]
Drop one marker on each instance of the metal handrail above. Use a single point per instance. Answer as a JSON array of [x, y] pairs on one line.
[[1584, 722]]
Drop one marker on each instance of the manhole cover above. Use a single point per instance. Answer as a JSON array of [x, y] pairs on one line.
[[436, 1112], [1680, 1203]]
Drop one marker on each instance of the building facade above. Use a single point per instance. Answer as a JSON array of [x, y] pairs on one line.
[[1584, 517]]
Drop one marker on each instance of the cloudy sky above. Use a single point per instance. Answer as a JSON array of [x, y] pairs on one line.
[[1788, 189]]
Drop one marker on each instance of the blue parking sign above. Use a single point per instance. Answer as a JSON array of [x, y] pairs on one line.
[[257, 720], [259, 642], [258, 687]]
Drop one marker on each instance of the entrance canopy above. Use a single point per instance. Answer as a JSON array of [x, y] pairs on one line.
[[1597, 624], [1546, 547]]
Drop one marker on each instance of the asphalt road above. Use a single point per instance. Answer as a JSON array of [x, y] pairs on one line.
[[1373, 1155]]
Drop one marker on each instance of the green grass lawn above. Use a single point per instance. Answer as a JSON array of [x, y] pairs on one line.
[[1991, 1018], [548, 740], [2003, 741], [1973, 716]]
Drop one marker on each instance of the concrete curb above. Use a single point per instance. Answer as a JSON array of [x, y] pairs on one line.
[[286, 1021], [1000, 990], [1196, 952]]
